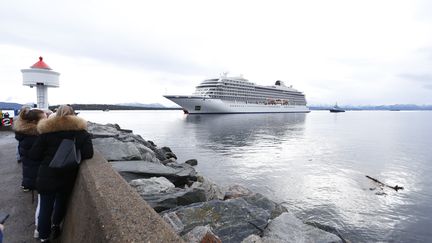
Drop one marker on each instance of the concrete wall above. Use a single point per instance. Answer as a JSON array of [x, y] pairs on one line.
[[104, 208]]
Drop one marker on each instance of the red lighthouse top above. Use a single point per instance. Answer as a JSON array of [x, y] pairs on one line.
[[41, 64]]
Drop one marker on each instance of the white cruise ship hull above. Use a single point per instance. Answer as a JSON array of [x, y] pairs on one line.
[[201, 105]]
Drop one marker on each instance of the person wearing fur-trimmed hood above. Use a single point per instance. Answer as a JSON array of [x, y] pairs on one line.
[[26, 133], [54, 185]]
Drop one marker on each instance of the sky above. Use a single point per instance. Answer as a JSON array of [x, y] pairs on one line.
[[369, 52]]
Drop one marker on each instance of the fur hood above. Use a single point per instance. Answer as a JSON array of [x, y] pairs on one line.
[[25, 127], [65, 123]]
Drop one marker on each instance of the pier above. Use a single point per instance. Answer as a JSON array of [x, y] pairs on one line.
[[103, 207]]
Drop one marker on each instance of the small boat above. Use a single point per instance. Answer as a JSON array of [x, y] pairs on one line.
[[336, 108]]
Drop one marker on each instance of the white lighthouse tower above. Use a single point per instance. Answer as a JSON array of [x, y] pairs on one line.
[[41, 76]]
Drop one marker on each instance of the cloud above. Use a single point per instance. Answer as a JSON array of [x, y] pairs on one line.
[[139, 50], [424, 78]]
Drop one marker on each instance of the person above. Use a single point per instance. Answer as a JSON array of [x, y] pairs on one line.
[[6, 115], [55, 185], [26, 133], [1, 233]]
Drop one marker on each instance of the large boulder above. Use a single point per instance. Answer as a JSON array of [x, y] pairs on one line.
[[201, 234], [102, 131], [236, 191], [263, 202], [212, 190], [114, 134], [152, 185], [177, 174], [192, 162], [288, 228], [232, 220], [173, 198], [130, 137], [113, 149], [164, 153], [252, 239]]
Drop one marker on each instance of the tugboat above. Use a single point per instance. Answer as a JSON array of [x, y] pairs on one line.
[[336, 108]]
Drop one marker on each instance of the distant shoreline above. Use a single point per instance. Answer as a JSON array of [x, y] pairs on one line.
[[114, 107], [396, 107]]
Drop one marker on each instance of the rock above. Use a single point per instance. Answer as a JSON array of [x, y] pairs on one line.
[[170, 155], [151, 143], [212, 190], [261, 201], [236, 191], [167, 161], [114, 130], [183, 169], [114, 150], [288, 228], [102, 131], [166, 149], [130, 170], [231, 220], [252, 239], [174, 221], [164, 153], [152, 185], [192, 162], [201, 234], [173, 198], [129, 137], [160, 154]]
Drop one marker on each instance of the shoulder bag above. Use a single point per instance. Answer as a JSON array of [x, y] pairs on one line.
[[66, 156]]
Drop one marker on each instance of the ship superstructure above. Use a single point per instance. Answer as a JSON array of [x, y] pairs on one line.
[[238, 95]]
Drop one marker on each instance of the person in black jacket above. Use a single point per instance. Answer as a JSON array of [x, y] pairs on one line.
[[26, 134], [55, 185]]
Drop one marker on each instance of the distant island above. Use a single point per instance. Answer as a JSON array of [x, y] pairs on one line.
[[126, 106], [106, 107], [397, 107]]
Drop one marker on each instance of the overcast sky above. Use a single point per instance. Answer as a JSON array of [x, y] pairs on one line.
[[350, 52]]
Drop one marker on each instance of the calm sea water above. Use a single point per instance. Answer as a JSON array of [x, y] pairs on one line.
[[315, 164]]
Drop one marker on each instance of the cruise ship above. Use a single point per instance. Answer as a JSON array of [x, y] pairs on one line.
[[238, 95]]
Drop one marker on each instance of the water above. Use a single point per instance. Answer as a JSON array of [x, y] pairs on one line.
[[315, 164]]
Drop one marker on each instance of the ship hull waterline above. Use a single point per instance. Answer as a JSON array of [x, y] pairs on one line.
[[201, 105]]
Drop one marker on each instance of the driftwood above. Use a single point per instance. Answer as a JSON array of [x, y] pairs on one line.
[[396, 188]]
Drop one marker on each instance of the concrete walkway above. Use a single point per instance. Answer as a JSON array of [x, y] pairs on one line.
[[18, 204]]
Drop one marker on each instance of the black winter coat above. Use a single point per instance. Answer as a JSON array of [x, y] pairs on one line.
[[52, 132], [26, 134]]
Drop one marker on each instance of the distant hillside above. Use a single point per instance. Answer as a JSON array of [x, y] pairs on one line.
[[156, 106], [10, 106], [153, 105], [401, 107], [115, 107]]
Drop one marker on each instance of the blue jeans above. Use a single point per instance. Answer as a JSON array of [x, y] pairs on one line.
[[51, 205]]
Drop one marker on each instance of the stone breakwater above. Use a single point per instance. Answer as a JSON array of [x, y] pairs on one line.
[[196, 208]]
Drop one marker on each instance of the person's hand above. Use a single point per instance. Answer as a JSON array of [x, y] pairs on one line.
[[1, 227]]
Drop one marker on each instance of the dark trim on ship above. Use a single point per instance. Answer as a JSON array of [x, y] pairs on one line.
[[189, 97], [221, 113]]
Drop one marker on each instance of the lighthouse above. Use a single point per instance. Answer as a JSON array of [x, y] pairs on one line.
[[41, 76]]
